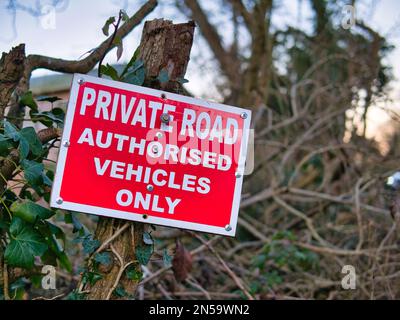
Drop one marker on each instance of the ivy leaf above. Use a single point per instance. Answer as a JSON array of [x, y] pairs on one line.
[[90, 245], [163, 76], [106, 26], [11, 131], [103, 258], [5, 146], [3, 138], [46, 180], [50, 99], [147, 238], [109, 71], [135, 77], [124, 15], [23, 147], [29, 134], [167, 259], [183, 80], [48, 117], [78, 226], [51, 233], [25, 244], [120, 292], [143, 254], [32, 171], [134, 273], [27, 100], [30, 211]]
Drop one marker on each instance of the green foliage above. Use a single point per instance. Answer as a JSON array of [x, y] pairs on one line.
[[143, 253], [167, 259], [106, 26], [103, 258], [28, 101], [26, 243], [30, 211], [32, 239], [120, 292], [281, 254], [91, 277], [163, 76], [133, 73], [49, 118], [281, 251], [75, 295], [108, 70], [89, 244], [134, 273]]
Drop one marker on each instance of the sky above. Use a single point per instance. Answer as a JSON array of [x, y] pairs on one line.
[[75, 28]]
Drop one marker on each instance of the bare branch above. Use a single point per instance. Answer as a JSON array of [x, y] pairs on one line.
[[87, 64]]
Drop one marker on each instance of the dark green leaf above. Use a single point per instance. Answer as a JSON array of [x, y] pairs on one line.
[[33, 171], [11, 131], [134, 273], [48, 117], [103, 258], [23, 147], [143, 254], [71, 218], [48, 98], [27, 100], [5, 145], [30, 211], [183, 80], [25, 244], [90, 245], [120, 292], [167, 259], [110, 71], [163, 76], [135, 77], [31, 137]]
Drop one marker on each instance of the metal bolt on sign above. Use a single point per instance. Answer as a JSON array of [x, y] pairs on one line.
[[165, 118], [66, 143], [238, 175], [243, 115], [150, 187], [59, 201], [154, 149], [81, 81], [159, 135], [228, 227]]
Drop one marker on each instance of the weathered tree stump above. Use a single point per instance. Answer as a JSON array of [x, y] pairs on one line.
[[167, 46]]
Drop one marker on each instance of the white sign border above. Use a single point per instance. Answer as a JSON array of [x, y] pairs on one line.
[[100, 211]]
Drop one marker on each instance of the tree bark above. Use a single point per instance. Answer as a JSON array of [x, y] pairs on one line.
[[164, 45], [11, 70]]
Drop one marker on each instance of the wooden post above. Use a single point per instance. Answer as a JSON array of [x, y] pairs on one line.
[[164, 45]]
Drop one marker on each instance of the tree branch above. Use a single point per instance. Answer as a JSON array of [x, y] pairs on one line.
[[227, 62], [87, 64], [241, 10], [11, 70]]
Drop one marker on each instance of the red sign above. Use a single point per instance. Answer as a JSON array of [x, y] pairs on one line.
[[146, 155]]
